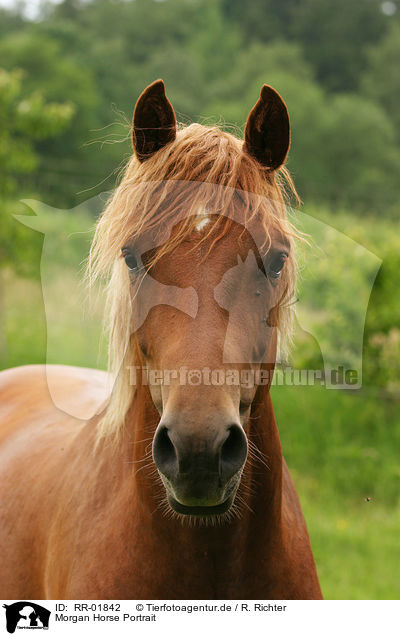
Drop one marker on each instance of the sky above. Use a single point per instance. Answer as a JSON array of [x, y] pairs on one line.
[[31, 6]]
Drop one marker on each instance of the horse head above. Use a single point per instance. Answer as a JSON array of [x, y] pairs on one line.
[[205, 265]]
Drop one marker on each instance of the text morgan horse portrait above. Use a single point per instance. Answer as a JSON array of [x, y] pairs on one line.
[[175, 490]]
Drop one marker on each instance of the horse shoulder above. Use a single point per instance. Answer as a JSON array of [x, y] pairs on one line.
[[38, 448], [40, 394]]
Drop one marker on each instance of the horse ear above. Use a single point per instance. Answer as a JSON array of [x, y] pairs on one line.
[[154, 122], [267, 132]]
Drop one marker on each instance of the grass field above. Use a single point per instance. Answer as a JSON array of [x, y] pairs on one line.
[[356, 544], [342, 449]]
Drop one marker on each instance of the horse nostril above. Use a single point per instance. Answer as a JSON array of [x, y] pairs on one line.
[[164, 454], [233, 451]]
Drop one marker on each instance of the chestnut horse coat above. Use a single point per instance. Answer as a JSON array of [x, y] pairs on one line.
[[172, 492]]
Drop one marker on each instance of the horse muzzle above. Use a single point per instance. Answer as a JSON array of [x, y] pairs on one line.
[[201, 471]]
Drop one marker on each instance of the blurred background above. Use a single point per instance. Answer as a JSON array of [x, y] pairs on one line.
[[70, 73]]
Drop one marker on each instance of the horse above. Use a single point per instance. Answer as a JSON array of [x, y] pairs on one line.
[[176, 487]]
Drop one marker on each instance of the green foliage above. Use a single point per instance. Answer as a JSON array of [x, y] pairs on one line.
[[362, 155], [214, 56], [62, 79], [23, 119], [347, 441], [382, 332], [71, 317], [333, 295], [381, 81], [337, 277], [334, 34]]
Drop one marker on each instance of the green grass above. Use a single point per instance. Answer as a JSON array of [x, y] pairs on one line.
[[356, 545], [64, 331], [342, 448], [380, 236], [346, 441]]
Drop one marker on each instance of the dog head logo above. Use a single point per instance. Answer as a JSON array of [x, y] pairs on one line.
[[26, 615]]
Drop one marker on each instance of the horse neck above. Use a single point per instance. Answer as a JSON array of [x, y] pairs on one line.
[[264, 466], [260, 493]]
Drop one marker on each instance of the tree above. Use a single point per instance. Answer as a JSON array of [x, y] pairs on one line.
[[362, 160], [381, 80], [23, 119], [334, 34], [48, 72]]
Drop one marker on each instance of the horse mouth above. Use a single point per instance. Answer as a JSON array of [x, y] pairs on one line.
[[200, 511]]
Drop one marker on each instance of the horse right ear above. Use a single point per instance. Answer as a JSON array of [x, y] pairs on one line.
[[154, 121]]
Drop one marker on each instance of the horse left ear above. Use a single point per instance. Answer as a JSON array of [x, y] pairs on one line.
[[267, 132], [154, 121]]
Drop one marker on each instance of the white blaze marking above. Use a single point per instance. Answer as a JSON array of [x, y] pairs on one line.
[[203, 219]]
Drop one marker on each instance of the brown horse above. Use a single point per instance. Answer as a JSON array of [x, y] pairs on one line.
[[178, 489]]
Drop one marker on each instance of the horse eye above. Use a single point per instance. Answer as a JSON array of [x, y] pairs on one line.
[[277, 265], [130, 259]]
